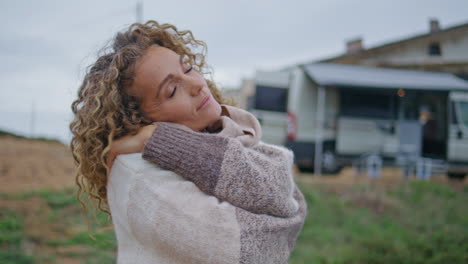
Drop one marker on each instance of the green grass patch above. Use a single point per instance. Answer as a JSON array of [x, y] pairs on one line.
[[103, 240], [11, 238], [63, 217], [429, 225], [419, 222], [59, 199]]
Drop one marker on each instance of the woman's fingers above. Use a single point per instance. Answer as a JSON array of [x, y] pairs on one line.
[[130, 144], [110, 160], [145, 133]]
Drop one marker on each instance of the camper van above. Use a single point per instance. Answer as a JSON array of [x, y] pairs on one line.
[[344, 112]]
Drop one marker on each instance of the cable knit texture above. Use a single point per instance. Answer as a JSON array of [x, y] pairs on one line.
[[221, 196]]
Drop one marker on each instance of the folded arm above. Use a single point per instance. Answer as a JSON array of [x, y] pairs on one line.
[[258, 179]]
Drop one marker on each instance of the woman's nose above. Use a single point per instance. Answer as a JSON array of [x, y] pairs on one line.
[[195, 88]]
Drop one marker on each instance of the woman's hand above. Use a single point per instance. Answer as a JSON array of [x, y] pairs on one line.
[[130, 144]]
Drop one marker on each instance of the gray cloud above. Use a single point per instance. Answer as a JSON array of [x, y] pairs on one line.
[[46, 45]]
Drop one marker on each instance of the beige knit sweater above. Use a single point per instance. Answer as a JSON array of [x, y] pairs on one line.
[[211, 198]]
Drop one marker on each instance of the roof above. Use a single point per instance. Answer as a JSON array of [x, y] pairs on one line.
[[391, 44], [331, 74]]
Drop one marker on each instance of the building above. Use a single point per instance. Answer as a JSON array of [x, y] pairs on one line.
[[438, 49]]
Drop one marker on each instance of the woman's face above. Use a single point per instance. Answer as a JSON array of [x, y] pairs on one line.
[[171, 91]]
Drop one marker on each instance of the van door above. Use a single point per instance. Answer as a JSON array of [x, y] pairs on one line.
[[458, 139]]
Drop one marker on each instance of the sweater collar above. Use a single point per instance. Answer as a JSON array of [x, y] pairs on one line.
[[238, 123]]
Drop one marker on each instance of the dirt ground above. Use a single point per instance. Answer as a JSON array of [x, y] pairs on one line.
[[389, 177], [27, 165]]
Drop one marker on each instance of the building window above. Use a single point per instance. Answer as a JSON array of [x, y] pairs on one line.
[[434, 49]]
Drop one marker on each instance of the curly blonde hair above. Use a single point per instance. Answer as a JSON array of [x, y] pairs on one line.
[[105, 110]]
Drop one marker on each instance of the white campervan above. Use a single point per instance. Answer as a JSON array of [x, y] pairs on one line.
[[343, 112]]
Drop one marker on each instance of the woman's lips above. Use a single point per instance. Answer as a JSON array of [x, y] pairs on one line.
[[205, 102]]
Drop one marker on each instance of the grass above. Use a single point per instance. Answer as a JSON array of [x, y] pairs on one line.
[[416, 222], [56, 230], [421, 222], [11, 237]]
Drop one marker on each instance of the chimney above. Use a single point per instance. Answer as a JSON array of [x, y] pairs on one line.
[[434, 25], [354, 46]]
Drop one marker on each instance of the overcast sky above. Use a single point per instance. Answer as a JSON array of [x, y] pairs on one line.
[[45, 46]]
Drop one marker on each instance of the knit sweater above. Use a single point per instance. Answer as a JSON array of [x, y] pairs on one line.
[[211, 198]]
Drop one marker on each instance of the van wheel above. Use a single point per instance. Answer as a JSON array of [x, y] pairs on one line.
[[329, 163], [456, 175]]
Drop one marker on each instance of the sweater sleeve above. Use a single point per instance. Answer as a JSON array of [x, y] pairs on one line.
[[257, 179]]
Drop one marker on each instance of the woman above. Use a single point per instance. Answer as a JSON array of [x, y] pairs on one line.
[[217, 193]]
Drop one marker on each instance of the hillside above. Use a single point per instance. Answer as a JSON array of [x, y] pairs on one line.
[[29, 164]]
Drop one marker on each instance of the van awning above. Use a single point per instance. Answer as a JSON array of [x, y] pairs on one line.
[[340, 75]]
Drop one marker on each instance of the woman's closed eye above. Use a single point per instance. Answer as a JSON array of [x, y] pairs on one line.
[[173, 92], [175, 87], [189, 69]]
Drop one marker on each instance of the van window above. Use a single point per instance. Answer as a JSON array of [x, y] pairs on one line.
[[454, 114], [464, 113], [367, 104], [270, 98]]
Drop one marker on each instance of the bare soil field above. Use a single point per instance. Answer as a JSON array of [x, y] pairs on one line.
[[389, 177], [27, 165]]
